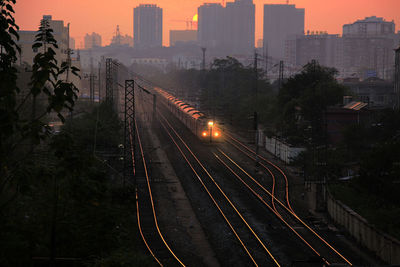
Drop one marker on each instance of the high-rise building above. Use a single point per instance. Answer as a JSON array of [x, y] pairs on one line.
[[320, 46], [239, 32], [229, 30], [260, 43], [280, 23], [92, 40], [147, 26], [371, 26], [368, 48], [210, 25]]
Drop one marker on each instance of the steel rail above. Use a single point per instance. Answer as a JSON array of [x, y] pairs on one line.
[[210, 195], [288, 210], [137, 204], [223, 193], [141, 232], [151, 194], [287, 199], [269, 162], [270, 208], [268, 170]]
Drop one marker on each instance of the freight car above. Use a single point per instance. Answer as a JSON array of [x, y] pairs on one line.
[[196, 121]]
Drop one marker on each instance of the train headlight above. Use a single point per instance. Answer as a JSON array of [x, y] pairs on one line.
[[216, 134], [210, 123], [204, 134]]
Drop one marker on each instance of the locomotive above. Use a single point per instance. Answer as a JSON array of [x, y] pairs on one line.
[[196, 121]]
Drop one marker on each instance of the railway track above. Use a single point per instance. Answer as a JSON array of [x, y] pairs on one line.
[[257, 251], [147, 219], [274, 197], [199, 170], [278, 204]]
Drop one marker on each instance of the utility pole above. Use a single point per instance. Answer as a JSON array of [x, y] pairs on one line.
[[204, 58], [397, 77], [91, 85], [154, 107], [99, 80], [266, 60], [68, 55], [71, 113], [281, 70], [255, 104]]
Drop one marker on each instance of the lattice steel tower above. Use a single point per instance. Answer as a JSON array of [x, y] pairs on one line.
[[109, 81], [129, 132]]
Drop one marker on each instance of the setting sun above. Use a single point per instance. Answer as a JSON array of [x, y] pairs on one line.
[[195, 18]]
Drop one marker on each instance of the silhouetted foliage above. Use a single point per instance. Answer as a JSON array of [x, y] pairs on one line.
[[230, 91], [8, 76], [304, 98], [93, 223], [46, 80]]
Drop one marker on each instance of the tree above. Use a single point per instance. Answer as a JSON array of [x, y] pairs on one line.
[[229, 91], [8, 77], [46, 80], [304, 98]]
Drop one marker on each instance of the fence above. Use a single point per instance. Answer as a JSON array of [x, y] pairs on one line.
[[282, 150], [384, 246]]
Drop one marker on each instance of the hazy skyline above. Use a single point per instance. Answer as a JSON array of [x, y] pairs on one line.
[[102, 17]]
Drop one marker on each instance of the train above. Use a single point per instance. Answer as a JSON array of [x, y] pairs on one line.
[[197, 122]]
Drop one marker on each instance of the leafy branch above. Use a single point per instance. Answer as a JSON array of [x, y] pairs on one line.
[[47, 79]]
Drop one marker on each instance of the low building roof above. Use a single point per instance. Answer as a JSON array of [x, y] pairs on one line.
[[355, 105]]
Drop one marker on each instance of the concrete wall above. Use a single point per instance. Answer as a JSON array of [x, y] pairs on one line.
[[282, 150], [385, 247]]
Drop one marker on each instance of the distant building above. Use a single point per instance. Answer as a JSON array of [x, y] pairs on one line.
[[323, 47], [239, 27], [186, 62], [260, 43], [374, 91], [229, 30], [127, 40], [25, 42], [210, 25], [368, 48], [370, 26], [280, 23], [92, 40], [72, 43], [159, 63], [60, 33], [147, 25], [122, 40], [365, 50], [182, 36], [27, 39]]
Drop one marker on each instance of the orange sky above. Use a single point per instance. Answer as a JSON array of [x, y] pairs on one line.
[[102, 16]]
